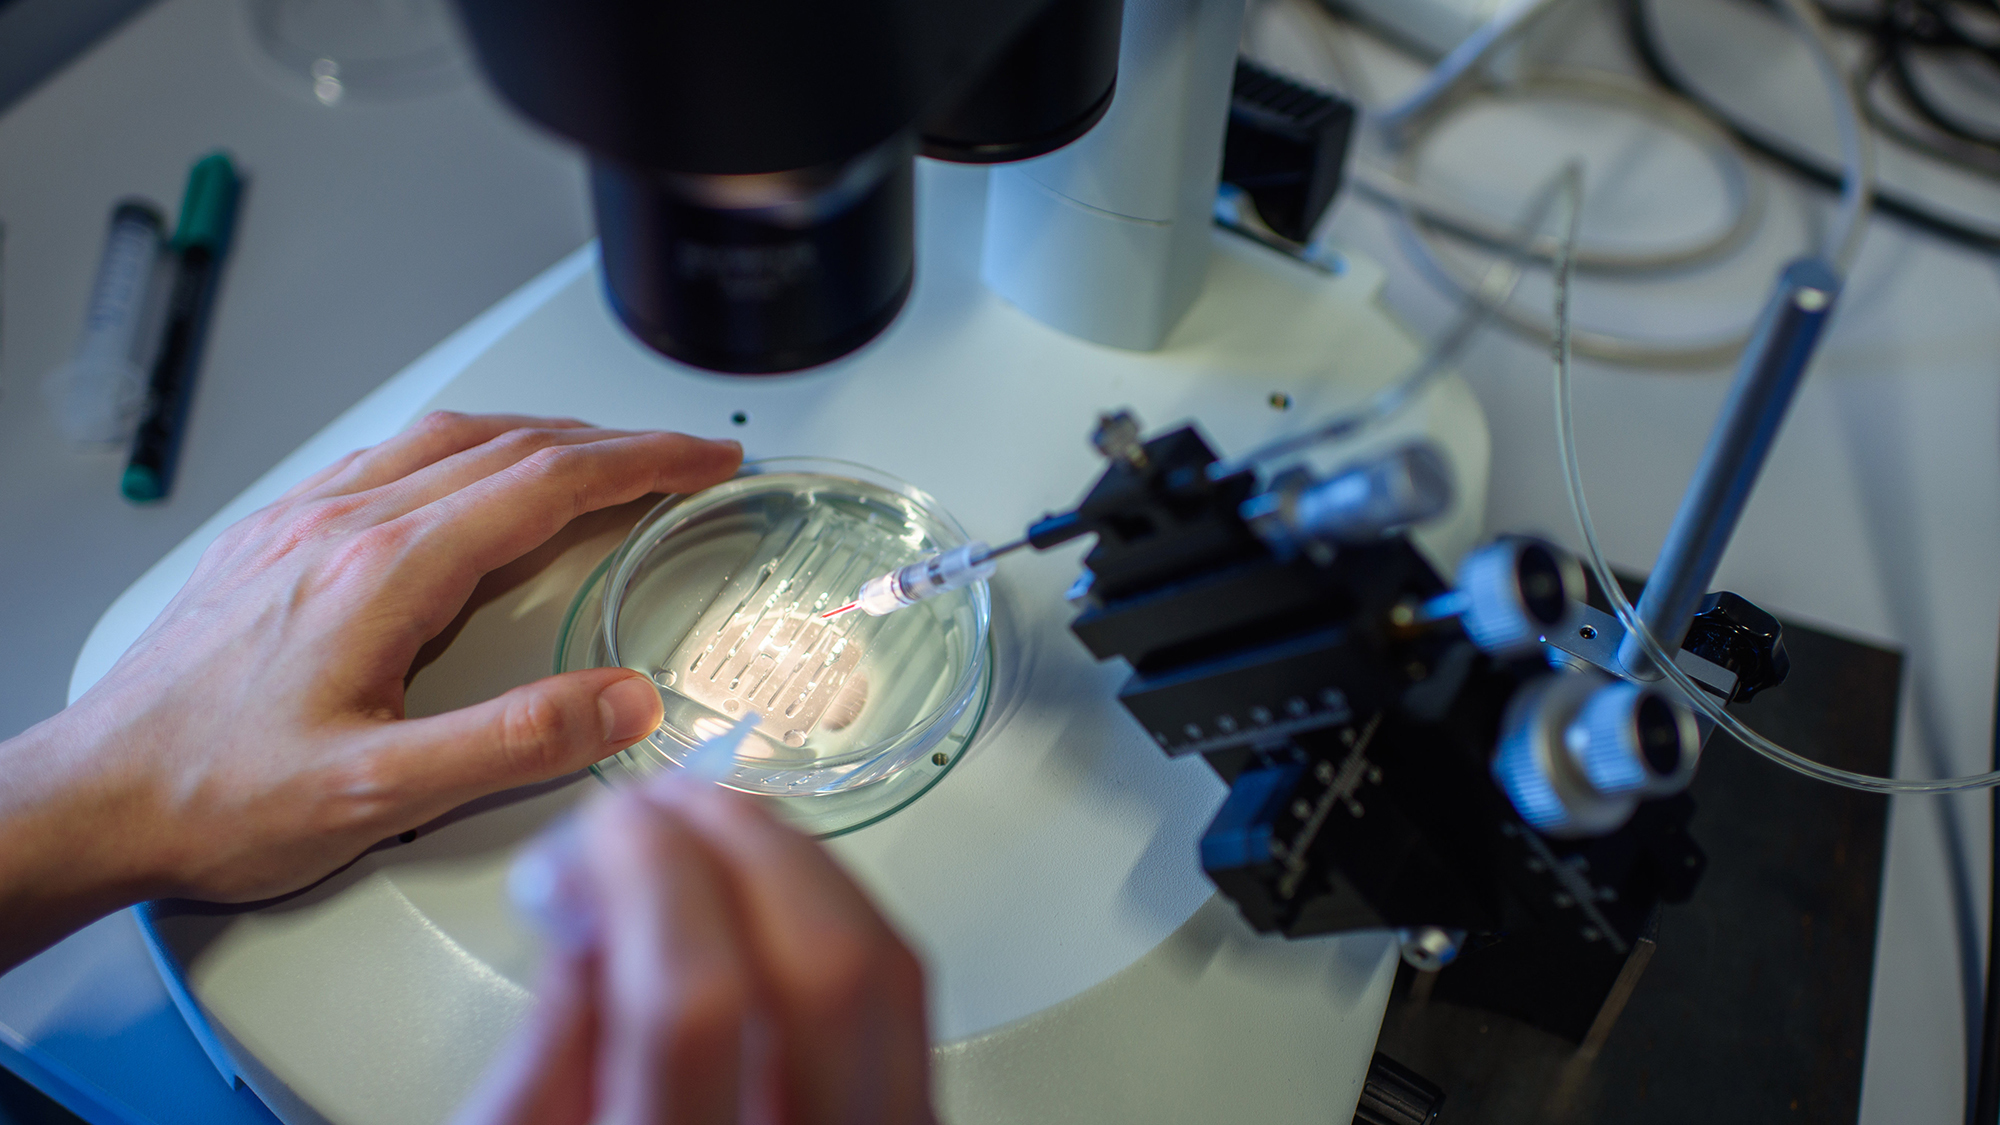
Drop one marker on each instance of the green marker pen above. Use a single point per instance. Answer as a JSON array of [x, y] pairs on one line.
[[201, 238]]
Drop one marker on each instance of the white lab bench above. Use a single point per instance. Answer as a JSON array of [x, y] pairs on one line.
[[381, 228]]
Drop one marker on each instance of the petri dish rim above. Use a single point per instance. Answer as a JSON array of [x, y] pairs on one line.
[[656, 525], [823, 816]]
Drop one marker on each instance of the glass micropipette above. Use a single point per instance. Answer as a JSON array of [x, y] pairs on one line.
[[927, 578]]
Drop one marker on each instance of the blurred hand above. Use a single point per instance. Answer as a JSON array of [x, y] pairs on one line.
[[253, 740], [732, 973]]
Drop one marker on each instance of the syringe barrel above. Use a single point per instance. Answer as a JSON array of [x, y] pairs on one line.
[[118, 295], [1406, 486], [926, 578]]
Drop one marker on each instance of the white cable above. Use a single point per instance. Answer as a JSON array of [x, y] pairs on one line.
[[1745, 188], [1487, 299], [1503, 28], [1857, 156]]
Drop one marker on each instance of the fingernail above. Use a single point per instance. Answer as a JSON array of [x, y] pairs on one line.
[[630, 708]]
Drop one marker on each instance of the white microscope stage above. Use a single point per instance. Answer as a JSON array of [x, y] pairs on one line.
[[1050, 879]]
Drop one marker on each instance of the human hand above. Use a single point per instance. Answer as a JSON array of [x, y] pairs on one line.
[[252, 740], [731, 972]]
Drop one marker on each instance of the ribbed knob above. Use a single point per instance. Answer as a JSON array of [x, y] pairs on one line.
[[1515, 591], [1537, 769], [1529, 782], [1633, 738]]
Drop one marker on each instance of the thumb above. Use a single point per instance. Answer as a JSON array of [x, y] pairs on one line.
[[533, 733]]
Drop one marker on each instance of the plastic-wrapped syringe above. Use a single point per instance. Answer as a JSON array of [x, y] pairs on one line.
[[926, 578]]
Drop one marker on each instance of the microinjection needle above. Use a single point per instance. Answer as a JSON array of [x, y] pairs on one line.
[[927, 578]]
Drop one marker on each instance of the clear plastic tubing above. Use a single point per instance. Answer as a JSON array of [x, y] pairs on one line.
[[1572, 185], [926, 578]]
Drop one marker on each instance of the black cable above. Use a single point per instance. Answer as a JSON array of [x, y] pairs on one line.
[[1920, 100], [1899, 29], [1645, 45], [1906, 26]]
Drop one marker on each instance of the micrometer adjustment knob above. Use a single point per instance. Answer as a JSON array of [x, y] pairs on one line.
[[1634, 738], [1733, 632], [1514, 591], [1578, 751], [1536, 767]]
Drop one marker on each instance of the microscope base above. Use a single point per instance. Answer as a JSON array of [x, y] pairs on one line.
[[1050, 879]]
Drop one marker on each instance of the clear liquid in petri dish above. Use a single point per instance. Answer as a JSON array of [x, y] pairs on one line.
[[723, 609]]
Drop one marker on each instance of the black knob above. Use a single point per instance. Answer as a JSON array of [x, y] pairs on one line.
[[1731, 631], [1393, 1094]]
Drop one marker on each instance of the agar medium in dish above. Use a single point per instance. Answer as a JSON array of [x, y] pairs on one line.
[[720, 597]]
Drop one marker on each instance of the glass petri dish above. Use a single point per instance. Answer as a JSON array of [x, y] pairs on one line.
[[718, 597], [580, 645], [369, 48]]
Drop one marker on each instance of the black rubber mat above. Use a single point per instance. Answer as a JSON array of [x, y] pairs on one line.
[[1755, 1006]]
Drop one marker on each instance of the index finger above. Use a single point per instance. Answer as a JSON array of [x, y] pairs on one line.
[[675, 992], [431, 439], [497, 519], [846, 995]]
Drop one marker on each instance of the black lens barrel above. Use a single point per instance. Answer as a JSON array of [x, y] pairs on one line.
[[755, 290]]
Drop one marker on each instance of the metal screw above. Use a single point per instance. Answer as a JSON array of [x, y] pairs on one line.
[[1280, 400], [1588, 632], [1117, 437], [1429, 948], [940, 758], [739, 418]]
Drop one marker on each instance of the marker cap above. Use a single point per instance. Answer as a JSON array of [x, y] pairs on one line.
[[207, 208]]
